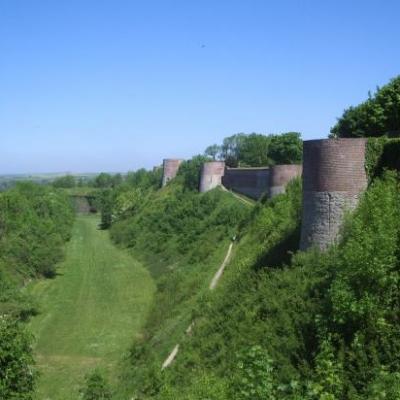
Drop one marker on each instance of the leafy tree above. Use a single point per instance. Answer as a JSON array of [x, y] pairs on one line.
[[254, 150], [230, 149], [377, 116], [17, 373], [103, 180], [67, 181], [106, 201], [144, 179], [212, 151], [286, 148], [189, 172]]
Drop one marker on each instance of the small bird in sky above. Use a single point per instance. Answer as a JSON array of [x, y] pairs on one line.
[[202, 46]]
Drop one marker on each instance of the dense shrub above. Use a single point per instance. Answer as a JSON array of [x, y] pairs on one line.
[[96, 387], [17, 373], [377, 116]]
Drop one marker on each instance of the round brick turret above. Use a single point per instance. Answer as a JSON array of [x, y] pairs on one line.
[[170, 169], [281, 175], [211, 175], [333, 179]]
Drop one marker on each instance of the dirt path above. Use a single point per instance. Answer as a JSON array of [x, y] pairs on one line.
[[213, 284]]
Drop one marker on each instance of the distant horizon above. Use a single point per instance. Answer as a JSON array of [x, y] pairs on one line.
[[120, 85]]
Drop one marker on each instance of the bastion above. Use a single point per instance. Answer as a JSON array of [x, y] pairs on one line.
[[170, 169], [334, 177], [281, 175], [211, 175]]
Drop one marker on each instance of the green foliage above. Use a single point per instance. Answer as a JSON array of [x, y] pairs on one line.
[[286, 148], [144, 179], [212, 151], [35, 221], [96, 387], [382, 153], [256, 150], [254, 379], [189, 172], [313, 326], [17, 373], [67, 181], [377, 116], [103, 180]]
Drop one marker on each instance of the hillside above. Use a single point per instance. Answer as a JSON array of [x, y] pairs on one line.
[[282, 324]]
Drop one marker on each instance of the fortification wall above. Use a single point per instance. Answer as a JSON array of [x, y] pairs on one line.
[[170, 169], [333, 179], [252, 182], [211, 175], [281, 175]]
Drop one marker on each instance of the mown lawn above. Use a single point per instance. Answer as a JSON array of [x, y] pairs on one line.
[[90, 312]]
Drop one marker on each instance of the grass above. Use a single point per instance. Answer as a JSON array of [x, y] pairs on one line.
[[90, 312]]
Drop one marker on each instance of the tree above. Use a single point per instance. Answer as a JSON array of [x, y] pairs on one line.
[[212, 151], [377, 116], [67, 181], [286, 148], [17, 375], [189, 171], [254, 150], [230, 149], [103, 181]]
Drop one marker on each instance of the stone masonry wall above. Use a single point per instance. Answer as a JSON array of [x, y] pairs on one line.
[[333, 179], [211, 175], [281, 175], [252, 182], [170, 169]]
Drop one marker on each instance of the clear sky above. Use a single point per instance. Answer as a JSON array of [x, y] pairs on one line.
[[96, 85]]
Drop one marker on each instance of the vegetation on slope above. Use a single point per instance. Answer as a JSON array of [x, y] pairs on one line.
[[35, 222], [282, 325]]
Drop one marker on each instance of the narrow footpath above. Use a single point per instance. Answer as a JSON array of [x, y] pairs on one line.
[[90, 313]]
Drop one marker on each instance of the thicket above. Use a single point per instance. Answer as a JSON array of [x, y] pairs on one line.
[[282, 324], [35, 222], [257, 150], [378, 115]]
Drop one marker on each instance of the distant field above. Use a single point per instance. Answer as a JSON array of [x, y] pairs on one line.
[[90, 313], [8, 180]]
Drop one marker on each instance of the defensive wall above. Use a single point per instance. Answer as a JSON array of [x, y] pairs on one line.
[[170, 169], [281, 175], [333, 178], [252, 182], [211, 175]]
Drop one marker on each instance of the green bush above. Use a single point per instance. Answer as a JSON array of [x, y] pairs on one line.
[[96, 387], [17, 372]]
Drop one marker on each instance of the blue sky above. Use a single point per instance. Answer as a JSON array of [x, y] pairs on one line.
[[118, 85]]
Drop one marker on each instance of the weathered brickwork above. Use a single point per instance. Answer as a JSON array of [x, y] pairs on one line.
[[333, 179], [170, 169], [281, 175], [211, 175], [252, 182]]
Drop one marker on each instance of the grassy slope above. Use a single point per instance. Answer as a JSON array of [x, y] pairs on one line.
[[90, 312]]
